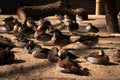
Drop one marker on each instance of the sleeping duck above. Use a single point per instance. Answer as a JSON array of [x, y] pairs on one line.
[[41, 53], [53, 55], [22, 41], [64, 52], [116, 56], [67, 65], [30, 47], [91, 28], [89, 41], [97, 58]]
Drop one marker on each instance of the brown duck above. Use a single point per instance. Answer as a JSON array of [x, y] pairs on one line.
[[116, 56], [40, 53], [53, 55], [60, 39]]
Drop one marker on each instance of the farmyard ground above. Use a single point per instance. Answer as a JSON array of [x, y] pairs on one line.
[[29, 68]]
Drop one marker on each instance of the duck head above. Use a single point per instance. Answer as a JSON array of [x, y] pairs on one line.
[[89, 26], [54, 49], [101, 53], [62, 54], [117, 53]]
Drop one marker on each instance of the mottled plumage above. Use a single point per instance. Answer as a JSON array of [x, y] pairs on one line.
[[60, 39], [41, 53], [30, 47], [44, 37], [53, 55], [116, 56]]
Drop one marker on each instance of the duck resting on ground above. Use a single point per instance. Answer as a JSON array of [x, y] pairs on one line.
[[91, 28], [59, 39], [30, 47], [53, 55], [116, 56], [40, 53], [68, 65], [98, 58], [88, 41]]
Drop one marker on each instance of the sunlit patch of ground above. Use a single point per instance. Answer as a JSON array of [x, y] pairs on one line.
[[28, 68]]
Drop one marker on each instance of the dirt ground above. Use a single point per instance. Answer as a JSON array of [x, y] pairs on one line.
[[28, 68]]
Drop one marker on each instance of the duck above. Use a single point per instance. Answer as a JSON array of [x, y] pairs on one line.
[[67, 19], [29, 32], [67, 65], [9, 23], [91, 28], [40, 53], [30, 47], [98, 57], [16, 26], [53, 55], [31, 23], [59, 39], [79, 18], [88, 41], [65, 52], [43, 25], [116, 56], [43, 37], [18, 36], [22, 41], [6, 42], [73, 26], [6, 56], [60, 26]]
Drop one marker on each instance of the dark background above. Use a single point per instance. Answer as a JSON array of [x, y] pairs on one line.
[[11, 6]]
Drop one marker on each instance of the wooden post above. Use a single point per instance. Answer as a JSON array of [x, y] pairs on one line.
[[111, 16], [99, 7]]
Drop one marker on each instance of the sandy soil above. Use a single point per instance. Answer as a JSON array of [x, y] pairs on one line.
[[28, 68]]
